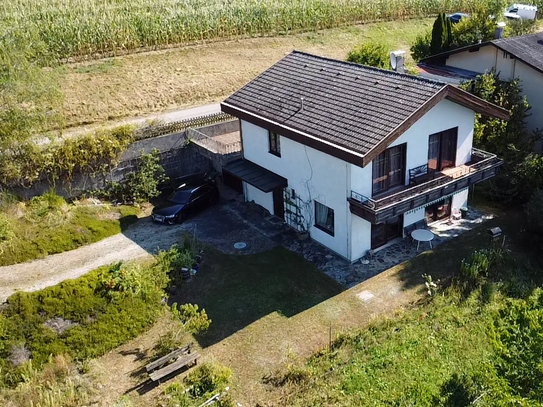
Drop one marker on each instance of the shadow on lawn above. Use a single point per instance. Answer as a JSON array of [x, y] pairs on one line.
[[444, 261], [238, 290]]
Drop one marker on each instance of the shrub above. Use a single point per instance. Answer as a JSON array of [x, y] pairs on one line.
[[141, 185], [193, 320], [106, 307], [370, 54], [421, 48]]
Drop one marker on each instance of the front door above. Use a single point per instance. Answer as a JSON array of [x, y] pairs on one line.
[[384, 232], [278, 203], [442, 150]]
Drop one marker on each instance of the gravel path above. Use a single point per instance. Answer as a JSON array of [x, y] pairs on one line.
[[140, 240]]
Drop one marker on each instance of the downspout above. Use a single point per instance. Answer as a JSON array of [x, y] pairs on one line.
[[514, 68], [348, 217]]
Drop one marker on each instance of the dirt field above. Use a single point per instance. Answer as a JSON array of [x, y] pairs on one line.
[[145, 83]]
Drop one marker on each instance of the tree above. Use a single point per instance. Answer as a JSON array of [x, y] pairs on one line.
[[371, 54], [441, 35], [30, 96], [522, 171]]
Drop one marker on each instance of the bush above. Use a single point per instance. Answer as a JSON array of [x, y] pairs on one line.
[[105, 308], [202, 383], [370, 54], [421, 48], [141, 185]]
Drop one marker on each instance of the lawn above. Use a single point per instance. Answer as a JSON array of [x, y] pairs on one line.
[[47, 224], [152, 82]]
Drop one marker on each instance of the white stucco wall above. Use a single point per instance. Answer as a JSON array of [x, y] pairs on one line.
[[478, 61], [262, 198], [532, 86], [460, 200], [443, 116], [312, 174]]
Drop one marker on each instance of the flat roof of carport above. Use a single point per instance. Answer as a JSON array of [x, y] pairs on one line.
[[255, 175]]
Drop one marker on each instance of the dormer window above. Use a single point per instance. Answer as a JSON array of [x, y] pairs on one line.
[[275, 143]]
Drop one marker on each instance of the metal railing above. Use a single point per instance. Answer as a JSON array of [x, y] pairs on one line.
[[212, 143], [162, 129], [480, 160]]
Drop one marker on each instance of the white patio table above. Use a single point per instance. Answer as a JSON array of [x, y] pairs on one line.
[[422, 235]]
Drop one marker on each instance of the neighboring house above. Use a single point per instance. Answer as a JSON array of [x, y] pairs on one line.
[[354, 154], [514, 57]]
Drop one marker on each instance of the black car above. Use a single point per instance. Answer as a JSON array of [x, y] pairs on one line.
[[185, 201]]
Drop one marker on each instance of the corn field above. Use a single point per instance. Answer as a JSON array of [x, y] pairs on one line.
[[78, 28]]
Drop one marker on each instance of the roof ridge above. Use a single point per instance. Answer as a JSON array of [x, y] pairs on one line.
[[371, 68], [516, 37]]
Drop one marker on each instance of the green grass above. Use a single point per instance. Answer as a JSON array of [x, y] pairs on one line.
[[236, 291], [34, 230], [75, 28], [486, 345]]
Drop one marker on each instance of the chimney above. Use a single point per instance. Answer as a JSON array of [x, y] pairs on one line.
[[397, 59], [498, 32]]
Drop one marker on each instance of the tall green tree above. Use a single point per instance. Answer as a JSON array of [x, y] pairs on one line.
[[441, 35]]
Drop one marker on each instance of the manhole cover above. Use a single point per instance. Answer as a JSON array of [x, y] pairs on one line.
[[240, 245]]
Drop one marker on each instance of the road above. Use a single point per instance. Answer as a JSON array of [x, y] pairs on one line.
[[163, 117]]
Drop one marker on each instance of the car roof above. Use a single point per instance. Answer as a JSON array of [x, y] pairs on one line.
[[191, 187]]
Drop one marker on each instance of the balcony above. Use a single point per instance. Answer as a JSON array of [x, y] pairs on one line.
[[482, 166]]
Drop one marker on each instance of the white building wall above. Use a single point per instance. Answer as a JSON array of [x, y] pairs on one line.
[[313, 175], [262, 198], [460, 200], [443, 116], [505, 66], [479, 61], [532, 86]]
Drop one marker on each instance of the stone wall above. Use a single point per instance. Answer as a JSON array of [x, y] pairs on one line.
[[178, 158]]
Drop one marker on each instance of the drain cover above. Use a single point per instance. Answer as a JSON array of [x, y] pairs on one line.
[[240, 245]]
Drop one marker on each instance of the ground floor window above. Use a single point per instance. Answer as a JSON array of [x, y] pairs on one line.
[[324, 218], [439, 210], [384, 232]]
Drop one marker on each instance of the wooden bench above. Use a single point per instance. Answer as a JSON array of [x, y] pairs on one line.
[[180, 363], [167, 358]]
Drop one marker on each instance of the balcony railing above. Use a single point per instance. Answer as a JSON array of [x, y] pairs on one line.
[[482, 166]]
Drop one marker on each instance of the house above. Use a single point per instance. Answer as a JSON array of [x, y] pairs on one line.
[[513, 57], [354, 154]]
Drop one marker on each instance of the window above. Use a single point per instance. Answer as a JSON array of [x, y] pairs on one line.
[[324, 218], [389, 169], [275, 143]]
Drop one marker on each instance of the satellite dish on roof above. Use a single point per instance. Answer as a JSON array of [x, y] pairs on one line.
[[397, 60]]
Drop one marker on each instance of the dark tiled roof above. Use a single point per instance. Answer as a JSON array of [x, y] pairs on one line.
[[348, 105], [528, 48]]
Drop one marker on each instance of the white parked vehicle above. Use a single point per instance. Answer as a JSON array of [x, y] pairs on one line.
[[520, 11]]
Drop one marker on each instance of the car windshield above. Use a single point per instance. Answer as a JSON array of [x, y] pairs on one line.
[[180, 197]]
